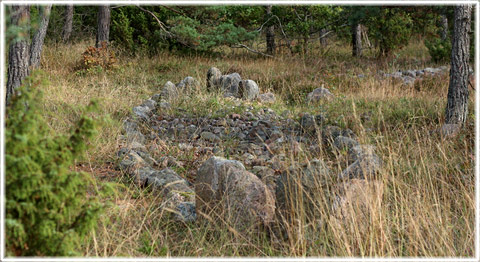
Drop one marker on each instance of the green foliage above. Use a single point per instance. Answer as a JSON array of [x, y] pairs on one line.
[[49, 208], [390, 27], [440, 50]]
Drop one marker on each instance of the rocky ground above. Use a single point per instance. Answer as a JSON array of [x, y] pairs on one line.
[[247, 166]]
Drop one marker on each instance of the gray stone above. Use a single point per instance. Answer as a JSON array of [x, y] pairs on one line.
[[169, 91], [150, 103], [209, 136], [189, 83], [186, 212], [309, 178], [408, 80], [208, 177], [141, 112], [344, 143], [319, 94], [213, 79], [360, 151], [329, 133], [410, 73], [266, 98], [308, 123], [248, 90], [229, 84], [365, 167]]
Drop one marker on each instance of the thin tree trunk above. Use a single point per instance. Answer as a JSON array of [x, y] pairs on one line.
[[356, 40], [323, 37], [444, 32], [103, 24], [18, 53], [457, 99], [39, 37], [67, 27], [270, 34]]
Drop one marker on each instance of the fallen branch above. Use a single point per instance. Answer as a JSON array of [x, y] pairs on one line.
[[162, 25], [251, 50]]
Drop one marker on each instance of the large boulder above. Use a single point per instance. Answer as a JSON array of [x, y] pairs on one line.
[[229, 84], [319, 94], [213, 78], [248, 90], [238, 195], [142, 112], [309, 124]]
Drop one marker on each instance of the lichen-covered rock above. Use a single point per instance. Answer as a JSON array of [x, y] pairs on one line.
[[209, 136], [319, 94], [213, 79], [141, 112], [329, 133], [266, 98], [248, 90], [150, 103], [229, 84], [242, 198], [169, 91], [188, 83], [208, 176]]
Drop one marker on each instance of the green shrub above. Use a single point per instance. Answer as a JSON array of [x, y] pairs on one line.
[[49, 208], [440, 50]]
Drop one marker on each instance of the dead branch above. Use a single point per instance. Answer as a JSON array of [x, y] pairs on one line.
[[251, 50]]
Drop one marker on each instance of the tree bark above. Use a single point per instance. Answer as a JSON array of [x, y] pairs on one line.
[[18, 53], [444, 22], [356, 40], [270, 33], [103, 24], [67, 27], [457, 98], [323, 37], [39, 37]]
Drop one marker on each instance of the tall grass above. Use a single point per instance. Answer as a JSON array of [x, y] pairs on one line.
[[427, 206]]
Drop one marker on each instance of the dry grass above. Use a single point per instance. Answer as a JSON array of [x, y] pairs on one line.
[[428, 203]]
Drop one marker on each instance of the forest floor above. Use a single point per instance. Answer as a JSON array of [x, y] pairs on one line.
[[428, 201]]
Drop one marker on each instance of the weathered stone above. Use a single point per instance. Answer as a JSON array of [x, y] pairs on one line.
[[229, 84], [408, 81], [136, 136], [209, 136], [410, 73], [213, 78], [266, 98], [344, 143], [329, 133], [365, 167], [142, 112], [242, 198], [189, 83], [169, 91], [356, 202], [319, 94], [208, 176], [360, 151], [308, 123], [248, 89], [149, 103], [266, 175], [307, 178], [186, 212]]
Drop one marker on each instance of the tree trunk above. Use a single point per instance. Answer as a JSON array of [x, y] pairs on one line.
[[457, 99], [103, 24], [444, 32], [323, 37], [18, 53], [39, 37], [356, 40], [270, 34], [67, 27]]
